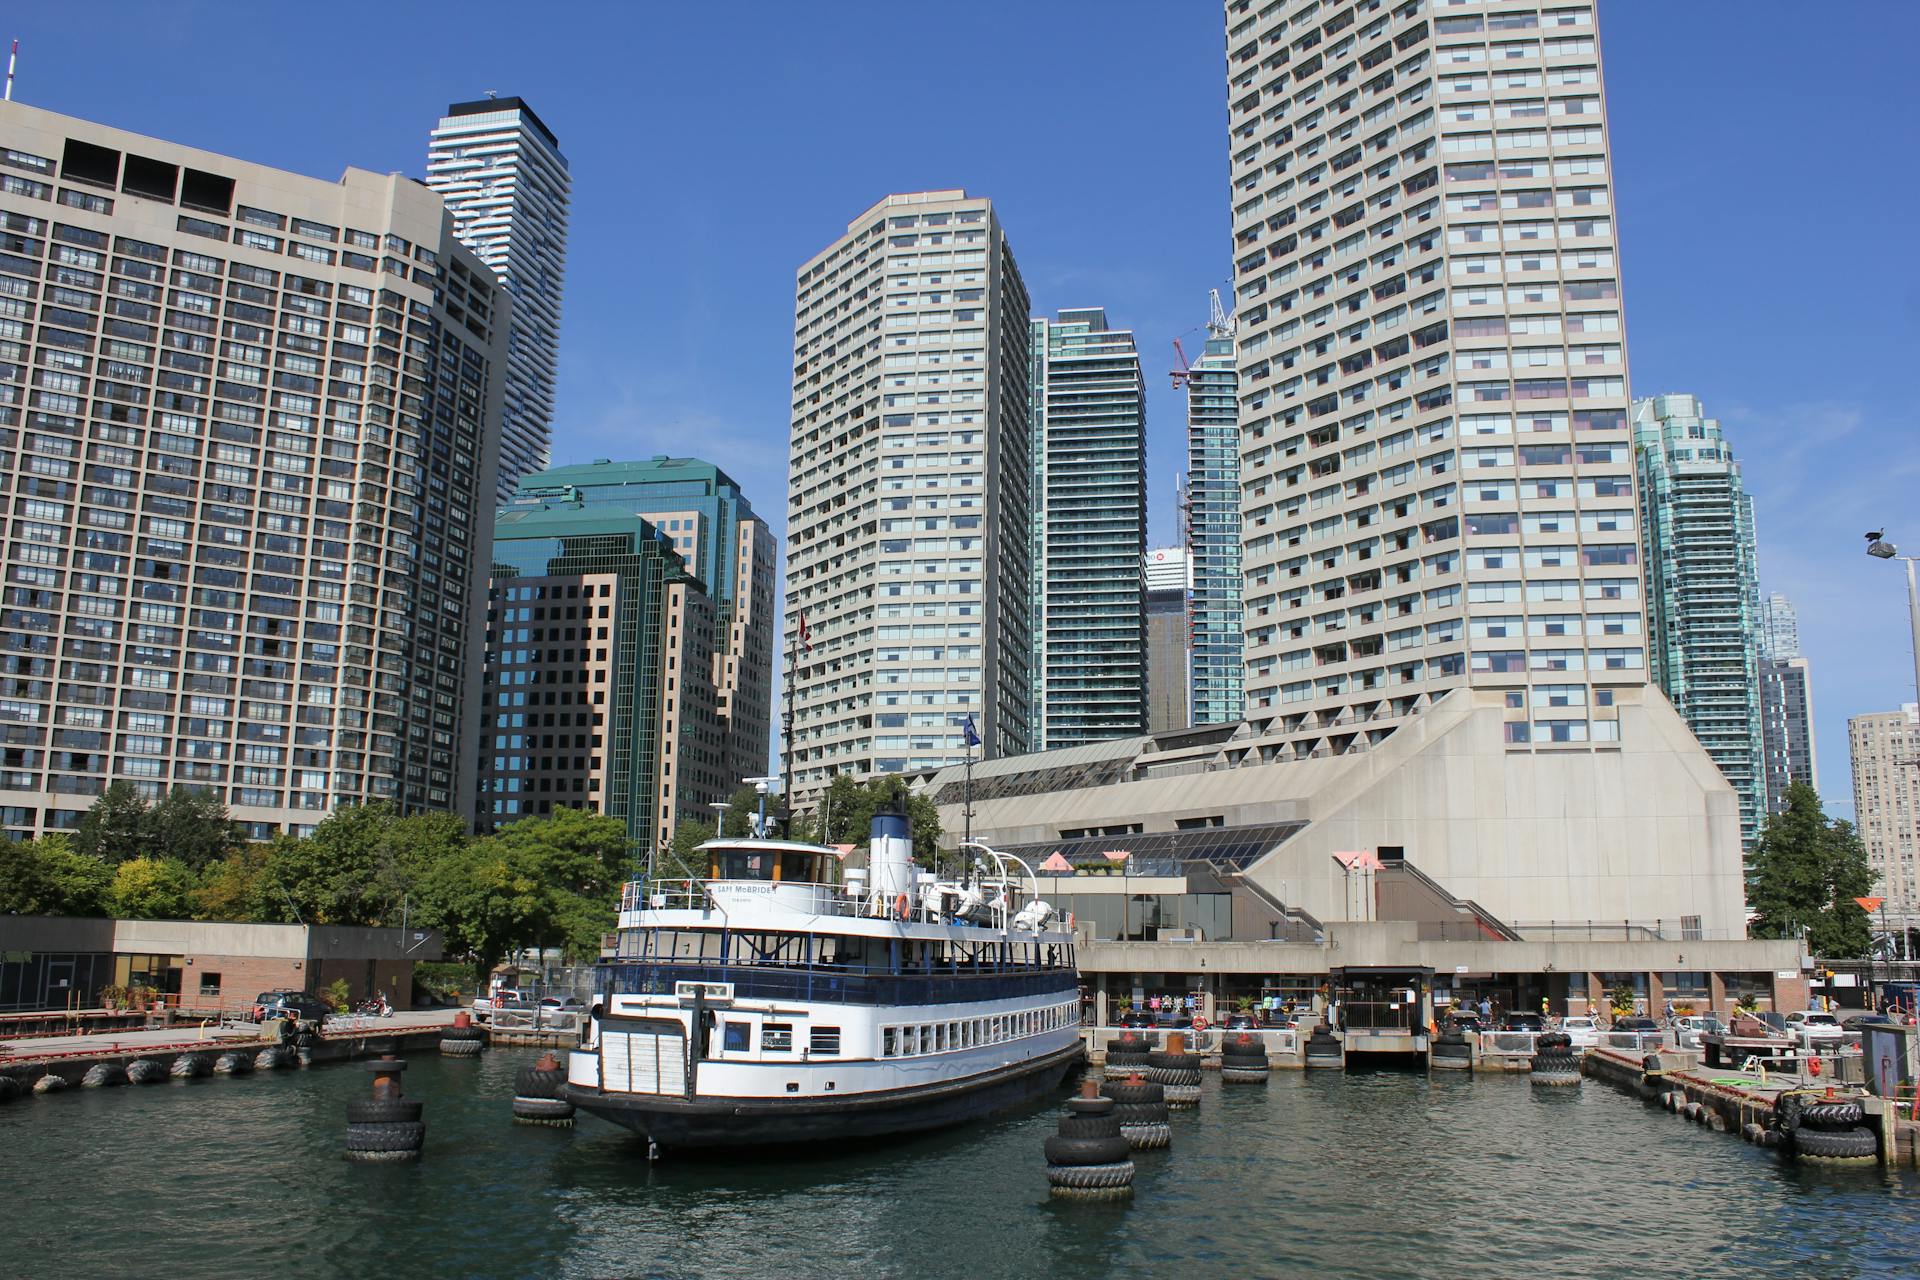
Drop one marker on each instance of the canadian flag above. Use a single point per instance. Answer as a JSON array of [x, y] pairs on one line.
[[806, 640]]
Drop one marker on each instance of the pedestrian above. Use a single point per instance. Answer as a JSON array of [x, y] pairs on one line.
[[1669, 1011], [1486, 1009]]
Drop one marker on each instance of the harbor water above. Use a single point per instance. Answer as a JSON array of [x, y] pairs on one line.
[[1378, 1175]]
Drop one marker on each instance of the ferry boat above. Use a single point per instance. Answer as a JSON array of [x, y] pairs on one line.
[[778, 1002]]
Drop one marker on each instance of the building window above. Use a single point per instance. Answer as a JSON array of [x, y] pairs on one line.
[[209, 983]]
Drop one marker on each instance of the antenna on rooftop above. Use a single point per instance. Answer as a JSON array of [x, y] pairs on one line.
[[12, 58], [493, 93]]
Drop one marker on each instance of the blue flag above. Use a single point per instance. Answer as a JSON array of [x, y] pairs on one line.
[[968, 732]]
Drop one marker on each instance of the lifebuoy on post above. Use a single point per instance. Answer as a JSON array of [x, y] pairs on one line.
[[1199, 1022], [902, 907]]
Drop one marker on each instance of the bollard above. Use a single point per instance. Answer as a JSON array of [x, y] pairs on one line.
[[1177, 1071], [1142, 1107], [1553, 1062], [385, 1128], [1088, 1159], [539, 1094], [462, 1039], [1127, 1053]]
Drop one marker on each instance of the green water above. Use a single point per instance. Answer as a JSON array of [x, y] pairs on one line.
[[1314, 1174]]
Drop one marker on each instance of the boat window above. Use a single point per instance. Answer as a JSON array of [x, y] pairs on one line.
[[739, 1037], [889, 1042], [801, 867], [777, 1037], [824, 1040], [742, 864]]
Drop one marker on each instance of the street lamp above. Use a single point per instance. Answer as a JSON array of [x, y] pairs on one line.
[[1880, 549]]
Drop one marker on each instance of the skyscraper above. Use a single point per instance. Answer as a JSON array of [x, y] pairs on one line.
[[710, 522], [1436, 466], [1886, 803], [1703, 594], [1089, 412], [1786, 703], [500, 170], [908, 499], [1213, 527], [255, 478], [1169, 702], [600, 663]]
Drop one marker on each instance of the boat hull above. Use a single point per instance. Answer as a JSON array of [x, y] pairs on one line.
[[697, 1124]]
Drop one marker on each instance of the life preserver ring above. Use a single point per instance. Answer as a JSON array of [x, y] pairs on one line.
[[1813, 1065], [1199, 1022], [902, 907]]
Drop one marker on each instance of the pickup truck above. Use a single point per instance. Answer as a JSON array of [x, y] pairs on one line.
[[505, 998]]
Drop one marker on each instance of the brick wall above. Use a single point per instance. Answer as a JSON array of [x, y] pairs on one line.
[[242, 978]]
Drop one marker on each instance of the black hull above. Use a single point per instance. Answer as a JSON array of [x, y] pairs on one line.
[[708, 1124]]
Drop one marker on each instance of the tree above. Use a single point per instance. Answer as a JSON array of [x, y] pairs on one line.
[[46, 877], [236, 888], [334, 875], [580, 859], [191, 826], [682, 859], [849, 806], [151, 889], [743, 809], [116, 826], [487, 901], [1805, 873]]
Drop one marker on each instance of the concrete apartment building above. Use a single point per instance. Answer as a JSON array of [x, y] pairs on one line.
[[710, 522], [600, 674], [1786, 703], [500, 171], [1703, 589], [251, 422], [1436, 465], [1168, 624], [1089, 445], [1885, 748], [1213, 527], [909, 501]]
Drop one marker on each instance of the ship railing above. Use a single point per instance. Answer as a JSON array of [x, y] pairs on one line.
[[800, 895]]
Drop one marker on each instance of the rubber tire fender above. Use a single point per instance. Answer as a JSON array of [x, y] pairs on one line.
[[1836, 1144], [385, 1137], [1833, 1115], [532, 1082], [1121, 1092], [382, 1110], [1078, 1151], [1072, 1126]]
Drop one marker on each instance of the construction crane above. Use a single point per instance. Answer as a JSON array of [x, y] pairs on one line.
[[1219, 325]]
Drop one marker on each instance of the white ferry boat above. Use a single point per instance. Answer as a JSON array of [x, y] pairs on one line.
[[777, 1002]]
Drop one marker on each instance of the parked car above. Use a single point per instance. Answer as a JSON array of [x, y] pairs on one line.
[[1583, 1031], [1860, 1020], [296, 1004], [1688, 1028], [560, 1002], [1524, 1022], [1645, 1028], [1241, 1022], [1815, 1027], [265, 998], [1467, 1023], [1135, 1019]]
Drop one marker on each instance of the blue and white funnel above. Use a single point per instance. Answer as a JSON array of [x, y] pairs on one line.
[[890, 855]]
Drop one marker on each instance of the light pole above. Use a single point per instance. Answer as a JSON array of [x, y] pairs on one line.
[[1880, 549]]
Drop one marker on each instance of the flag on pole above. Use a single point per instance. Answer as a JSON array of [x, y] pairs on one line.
[[806, 639], [968, 732]]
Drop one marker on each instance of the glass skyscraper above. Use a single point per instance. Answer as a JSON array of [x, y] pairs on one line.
[[1213, 529], [1703, 593], [1090, 520]]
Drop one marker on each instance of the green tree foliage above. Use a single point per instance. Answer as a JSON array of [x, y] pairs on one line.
[[47, 877], [743, 807], [236, 887], [151, 889], [1806, 871], [580, 859], [487, 900], [188, 825], [682, 859], [848, 810]]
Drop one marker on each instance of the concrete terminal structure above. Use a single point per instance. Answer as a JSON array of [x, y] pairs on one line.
[[1206, 864]]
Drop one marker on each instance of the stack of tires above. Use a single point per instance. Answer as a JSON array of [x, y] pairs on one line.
[[1088, 1159], [1127, 1053], [1828, 1132], [1177, 1072], [1141, 1106], [462, 1042], [1450, 1051], [1323, 1050], [1554, 1062], [384, 1130], [539, 1095], [1243, 1059]]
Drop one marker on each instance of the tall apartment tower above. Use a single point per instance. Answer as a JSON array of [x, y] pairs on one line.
[[1436, 463], [1213, 527], [1703, 593], [1786, 703], [1169, 586], [1089, 407], [1886, 802], [908, 498], [600, 662], [708, 520], [500, 170], [251, 421]]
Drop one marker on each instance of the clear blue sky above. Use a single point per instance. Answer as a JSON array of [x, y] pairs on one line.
[[1764, 162]]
